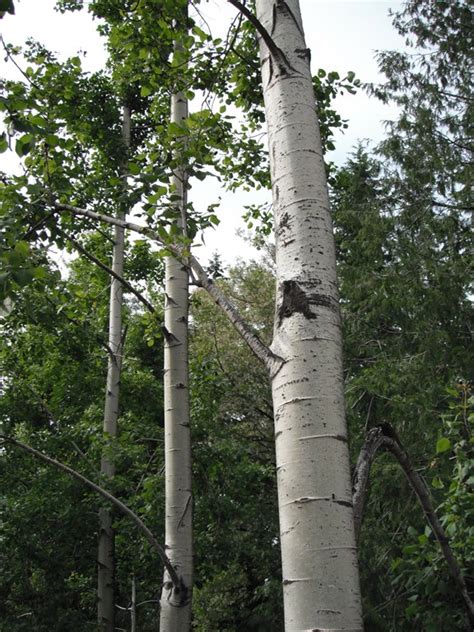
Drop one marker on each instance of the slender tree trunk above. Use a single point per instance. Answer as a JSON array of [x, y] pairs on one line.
[[319, 557], [106, 556], [133, 607], [176, 605]]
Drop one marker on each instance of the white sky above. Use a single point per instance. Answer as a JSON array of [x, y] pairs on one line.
[[343, 35]]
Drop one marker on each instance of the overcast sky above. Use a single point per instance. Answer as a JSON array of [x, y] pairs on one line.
[[342, 35]]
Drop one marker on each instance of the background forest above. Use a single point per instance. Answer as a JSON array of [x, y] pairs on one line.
[[402, 219]]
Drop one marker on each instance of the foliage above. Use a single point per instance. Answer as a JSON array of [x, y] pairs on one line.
[[403, 233], [53, 372], [433, 602], [402, 237], [406, 324], [238, 575]]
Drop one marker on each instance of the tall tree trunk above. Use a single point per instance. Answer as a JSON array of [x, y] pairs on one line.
[[175, 613], [106, 557], [320, 571]]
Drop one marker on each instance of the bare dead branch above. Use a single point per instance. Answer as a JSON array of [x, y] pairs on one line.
[[385, 436], [360, 480]]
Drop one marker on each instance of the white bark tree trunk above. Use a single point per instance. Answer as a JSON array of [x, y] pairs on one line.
[[106, 556], [133, 607], [320, 572], [175, 613]]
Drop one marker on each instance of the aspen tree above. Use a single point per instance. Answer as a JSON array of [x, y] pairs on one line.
[[319, 556], [175, 614], [106, 556]]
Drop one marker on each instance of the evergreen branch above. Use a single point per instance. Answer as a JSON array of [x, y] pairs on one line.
[[453, 206], [138, 522], [263, 353], [385, 436]]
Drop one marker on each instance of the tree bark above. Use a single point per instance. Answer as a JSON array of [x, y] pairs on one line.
[[106, 549], [319, 557], [175, 614], [385, 437]]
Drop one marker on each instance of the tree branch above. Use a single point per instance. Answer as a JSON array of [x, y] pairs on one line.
[[106, 268], [360, 479], [177, 582], [276, 52], [385, 436], [263, 353], [14, 62]]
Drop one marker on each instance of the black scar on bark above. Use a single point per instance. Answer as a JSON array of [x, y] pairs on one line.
[[295, 300]]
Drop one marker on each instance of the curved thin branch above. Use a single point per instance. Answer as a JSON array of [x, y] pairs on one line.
[[386, 437], [177, 583], [106, 268], [265, 35], [263, 353], [15, 63]]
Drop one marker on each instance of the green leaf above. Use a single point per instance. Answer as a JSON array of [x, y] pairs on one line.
[[22, 277], [3, 143], [52, 140], [437, 483], [160, 191], [134, 168], [24, 144], [22, 248], [40, 273], [145, 91], [176, 130], [38, 120], [200, 33], [443, 445]]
